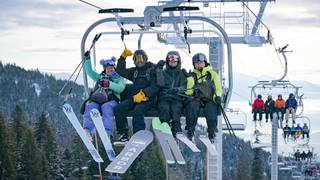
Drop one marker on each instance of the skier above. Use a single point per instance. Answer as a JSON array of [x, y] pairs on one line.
[[257, 108], [305, 131], [280, 105], [205, 89], [286, 132], [144, 91], [269, 108], [105, 95], [291, 107], [297, 155], [169, 102]]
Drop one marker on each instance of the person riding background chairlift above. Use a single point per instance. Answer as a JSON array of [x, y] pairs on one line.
[[291, 107], [257, 107], [144, 91], [105, 95], [280, 107], [269, 108]]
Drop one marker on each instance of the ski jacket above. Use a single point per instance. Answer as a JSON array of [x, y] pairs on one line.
[[269, 105], [143, 78], [258, 104], [280, 103], [305, 129], [174, 80], [214, 78], [116, 82], [291, 103]]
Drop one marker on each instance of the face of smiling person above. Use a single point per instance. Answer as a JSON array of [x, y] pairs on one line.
[[139, 61], [109, 70], [173, 61], [199, 65]]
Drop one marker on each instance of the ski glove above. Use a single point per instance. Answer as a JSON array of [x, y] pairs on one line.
[[217, 100], [87, 55], [139, 97], [126, 53], [160, 64], [104, 83]]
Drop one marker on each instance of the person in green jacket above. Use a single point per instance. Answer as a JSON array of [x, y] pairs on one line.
[[204, 89], [104, 96]]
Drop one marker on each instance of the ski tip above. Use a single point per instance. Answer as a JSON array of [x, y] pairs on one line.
[[156, 124], [166, 128], [181, 162]]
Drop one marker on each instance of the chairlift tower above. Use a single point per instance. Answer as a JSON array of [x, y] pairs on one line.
[[195, 27]]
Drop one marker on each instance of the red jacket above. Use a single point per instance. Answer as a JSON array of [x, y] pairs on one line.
[[258, 104]]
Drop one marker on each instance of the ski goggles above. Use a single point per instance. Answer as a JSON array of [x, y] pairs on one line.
[[107, 62], [173, 57], [139, 58]]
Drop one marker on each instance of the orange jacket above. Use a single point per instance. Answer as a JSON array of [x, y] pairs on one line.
[[280, 103]]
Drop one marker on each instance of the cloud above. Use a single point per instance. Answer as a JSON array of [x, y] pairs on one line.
[[294, 13], [35, 13]]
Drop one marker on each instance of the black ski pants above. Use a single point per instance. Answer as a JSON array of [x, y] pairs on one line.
[[210, 110], [138, 111], [170, 109]]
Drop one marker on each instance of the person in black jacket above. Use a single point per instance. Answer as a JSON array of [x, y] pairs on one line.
[[143, 76], [169, 101], [269, 108]]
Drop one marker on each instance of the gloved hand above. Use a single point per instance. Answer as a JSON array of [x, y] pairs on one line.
[[160, 64], [217, 100], [139, 97], [87, 55], [125, 53], [105, 83], [252, 111]]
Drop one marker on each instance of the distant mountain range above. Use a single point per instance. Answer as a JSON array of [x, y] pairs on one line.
[[242, 82]]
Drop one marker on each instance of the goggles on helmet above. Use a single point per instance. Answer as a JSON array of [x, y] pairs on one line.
[[107, 62], [201, 57], [139, 58], [173, 57]]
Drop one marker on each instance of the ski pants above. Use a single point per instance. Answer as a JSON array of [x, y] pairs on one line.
[[255, 112], [269, 112], [107, 110], [170, 110], [280, 111], [293, 112], [210, 110], [138, 111]]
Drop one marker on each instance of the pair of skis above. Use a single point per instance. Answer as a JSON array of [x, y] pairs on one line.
[[168, 144], [138, 142], [97, 120]]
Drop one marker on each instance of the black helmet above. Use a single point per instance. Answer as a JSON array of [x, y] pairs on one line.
[[140, 52], [199, 57], [259, 96], [173, 53]]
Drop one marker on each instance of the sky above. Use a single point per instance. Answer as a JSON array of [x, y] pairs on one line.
[[46, 35]]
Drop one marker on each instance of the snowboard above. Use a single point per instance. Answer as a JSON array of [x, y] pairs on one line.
[[97, 120], [68, 111], [137, 143]]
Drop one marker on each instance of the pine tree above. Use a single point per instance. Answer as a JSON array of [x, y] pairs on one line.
[[66, 164], [17, 131], [48, 145], [6, 159], [32, 160], [243, 167], [79, 156], [257, 171]]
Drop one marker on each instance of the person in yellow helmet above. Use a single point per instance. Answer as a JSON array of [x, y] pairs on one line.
[[204, 88]]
